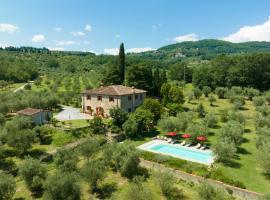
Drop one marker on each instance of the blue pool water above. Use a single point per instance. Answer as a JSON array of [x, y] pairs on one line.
[[204, 157]]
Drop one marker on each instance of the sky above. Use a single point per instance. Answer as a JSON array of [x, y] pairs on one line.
[[100, 26]]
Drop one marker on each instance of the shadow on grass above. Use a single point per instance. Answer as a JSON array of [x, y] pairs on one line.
[[214, 105], [243, 108], [211, 133], [247, 130], [242, 151], [245, 140], [105, 191], [36, 153], [8, 166], [9, 153], [232, 164]]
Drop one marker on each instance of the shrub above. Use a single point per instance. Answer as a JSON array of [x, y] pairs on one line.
[[62, 186], [206, 91], [119, 116], [236, 116], [166, 182], [27, 87], [137, 191], [210, 120], [251, 93], [201, 111], [7, 186], [220, 92], [208, 192], [197, 93], [92, 172], [211, 99], [259, 101], [97, 126], [65, 160], [224, 151], [224, 115], [264, 157], [130, 128], [34, 174], [233, 132]]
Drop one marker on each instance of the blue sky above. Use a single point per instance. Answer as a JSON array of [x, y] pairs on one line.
[[100, 25]]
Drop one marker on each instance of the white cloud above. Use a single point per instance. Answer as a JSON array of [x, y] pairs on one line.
[[115, 51], [188, 37], [38, 38], [56, 49], [111, 51], [139, 50], [117, 35], [79, 33], [88, 28], [259, 32], [86, 42], [8, 28], [66, 42], [58, 29]]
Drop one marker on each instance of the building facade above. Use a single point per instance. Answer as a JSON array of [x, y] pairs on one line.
[[99, 101]]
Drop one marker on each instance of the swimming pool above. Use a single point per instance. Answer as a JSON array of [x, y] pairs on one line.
[[186, 153]]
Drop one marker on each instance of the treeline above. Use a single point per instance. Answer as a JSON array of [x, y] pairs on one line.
[[17, 70], [252, 70]]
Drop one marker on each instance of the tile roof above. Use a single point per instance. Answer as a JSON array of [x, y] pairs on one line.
[[116, 90], [29, 111]]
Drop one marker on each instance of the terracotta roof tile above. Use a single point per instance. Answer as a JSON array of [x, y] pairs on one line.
[[29, 111], [116, 90]]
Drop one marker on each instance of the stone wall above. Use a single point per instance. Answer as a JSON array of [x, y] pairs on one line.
[[237, 192]]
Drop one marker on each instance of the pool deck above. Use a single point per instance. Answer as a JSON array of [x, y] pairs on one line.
[[147, 147]]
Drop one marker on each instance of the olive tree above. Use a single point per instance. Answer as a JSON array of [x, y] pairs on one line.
[[7, 186], [34, 174], [62, 186], [206, 91]]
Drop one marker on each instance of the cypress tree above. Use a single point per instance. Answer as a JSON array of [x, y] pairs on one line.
[[122, 62]]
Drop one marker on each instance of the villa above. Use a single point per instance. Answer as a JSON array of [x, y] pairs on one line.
[[99, 101]]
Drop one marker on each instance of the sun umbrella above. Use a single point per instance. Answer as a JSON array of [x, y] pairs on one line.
[[171, 134], [186, 135], [201, 138]]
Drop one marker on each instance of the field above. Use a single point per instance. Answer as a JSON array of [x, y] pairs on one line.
[[246, 167]]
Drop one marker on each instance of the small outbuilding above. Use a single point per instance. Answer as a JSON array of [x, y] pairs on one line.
[[39, 116]]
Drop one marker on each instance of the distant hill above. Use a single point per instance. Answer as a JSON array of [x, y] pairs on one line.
[[204, 49]]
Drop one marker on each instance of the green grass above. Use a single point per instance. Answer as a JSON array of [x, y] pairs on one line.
[[247, 169], [73, 124]]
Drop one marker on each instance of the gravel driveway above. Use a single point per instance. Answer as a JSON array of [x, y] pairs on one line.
[[71, 113]]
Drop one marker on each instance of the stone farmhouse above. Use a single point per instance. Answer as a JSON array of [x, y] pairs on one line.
[[99, 101], [39, 116]]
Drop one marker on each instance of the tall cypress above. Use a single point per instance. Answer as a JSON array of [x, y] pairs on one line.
[[122, 62]]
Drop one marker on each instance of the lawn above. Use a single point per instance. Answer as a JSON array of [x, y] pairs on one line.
[[246, 168]]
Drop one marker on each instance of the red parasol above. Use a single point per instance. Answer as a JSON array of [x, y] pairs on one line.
[[186, 135], [201, 138], [171, 134]]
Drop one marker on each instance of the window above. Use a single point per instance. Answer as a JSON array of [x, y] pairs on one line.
[[111, 99], [136, 96], [129, 98], [141, 96], [99, 98], [129, 110], [88, 97]]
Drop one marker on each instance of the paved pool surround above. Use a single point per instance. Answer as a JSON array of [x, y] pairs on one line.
[[176, 150]]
